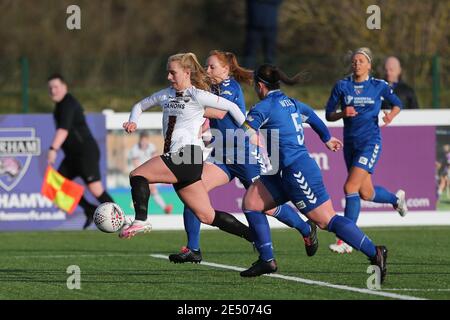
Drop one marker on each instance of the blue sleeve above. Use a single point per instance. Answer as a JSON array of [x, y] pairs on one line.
[[334, 99], [258, 115], [389, 95], [311, 118], [239, 98]]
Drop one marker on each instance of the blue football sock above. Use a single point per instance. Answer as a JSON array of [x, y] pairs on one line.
[[192, 227], [290, 217], [381, 195], [352, 206], [347, 230], [258, 224]]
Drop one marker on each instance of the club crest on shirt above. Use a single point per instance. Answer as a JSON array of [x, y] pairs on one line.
[[358, 89]]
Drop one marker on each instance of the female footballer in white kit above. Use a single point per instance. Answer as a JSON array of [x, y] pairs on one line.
[[183, 104]]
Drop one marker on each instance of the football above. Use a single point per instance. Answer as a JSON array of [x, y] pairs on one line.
[[109, 217]]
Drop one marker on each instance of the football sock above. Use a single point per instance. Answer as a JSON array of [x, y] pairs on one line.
[[192, 227], [228, 223], [105, 197], [352, 206], [88, 207], [381, 195], [347, 230], [140, 193], [261, 233], [291, 218]]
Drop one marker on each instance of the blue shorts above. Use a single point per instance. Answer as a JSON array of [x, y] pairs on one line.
[[246, 173], [301, 182], [365, 156]]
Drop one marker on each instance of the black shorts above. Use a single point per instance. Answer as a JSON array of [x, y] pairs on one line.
[[186, 164], [84, 165]]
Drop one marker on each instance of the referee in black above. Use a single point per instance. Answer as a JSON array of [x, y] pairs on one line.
[[73, 136]]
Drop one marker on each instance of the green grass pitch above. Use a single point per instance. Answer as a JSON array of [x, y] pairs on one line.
[[34, 265]]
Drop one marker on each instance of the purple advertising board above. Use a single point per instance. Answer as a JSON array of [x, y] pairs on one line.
[[24, 142], [407, 162]]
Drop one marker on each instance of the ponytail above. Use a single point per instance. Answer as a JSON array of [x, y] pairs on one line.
[[199, 77], [272, 76]]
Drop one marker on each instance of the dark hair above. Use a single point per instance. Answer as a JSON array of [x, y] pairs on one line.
[[271, 76], [56, 76]]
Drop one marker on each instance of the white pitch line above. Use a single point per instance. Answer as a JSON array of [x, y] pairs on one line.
[[408, 289], [78, 256], [307, 281]]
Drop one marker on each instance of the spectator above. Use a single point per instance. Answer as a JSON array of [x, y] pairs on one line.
[[141, 152], [261, 29], [393, 72]]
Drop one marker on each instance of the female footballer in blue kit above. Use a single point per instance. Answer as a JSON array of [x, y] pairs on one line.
[[360, 97], [299, 178], [232, 160]]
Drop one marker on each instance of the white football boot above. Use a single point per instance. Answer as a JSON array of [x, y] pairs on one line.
[[401, 207], [340, 247], [137, 226]]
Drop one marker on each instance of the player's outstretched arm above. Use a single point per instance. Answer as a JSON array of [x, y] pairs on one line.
[[208, 99]]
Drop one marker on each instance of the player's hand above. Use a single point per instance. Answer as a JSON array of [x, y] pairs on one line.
[[387, 118], [51, 157], [349, 112], [334, 144], [129, 127]]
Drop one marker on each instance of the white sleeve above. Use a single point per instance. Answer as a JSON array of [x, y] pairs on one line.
[[143, 105], [208, 99]]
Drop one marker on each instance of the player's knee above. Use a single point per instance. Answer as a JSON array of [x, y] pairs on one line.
[[322, 224], [205, 218], [251, 204], [135, 173]]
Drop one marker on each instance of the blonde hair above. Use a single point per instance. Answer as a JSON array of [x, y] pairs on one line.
[[365, 52], [229, 59], [199, 77]]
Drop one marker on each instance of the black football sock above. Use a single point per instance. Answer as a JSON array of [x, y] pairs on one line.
[[140, 192], [105, 197], [88, 207], [228, 223]]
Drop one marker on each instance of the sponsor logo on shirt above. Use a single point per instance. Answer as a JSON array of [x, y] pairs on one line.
[[362, 101], [176, 104], [348, 100]]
